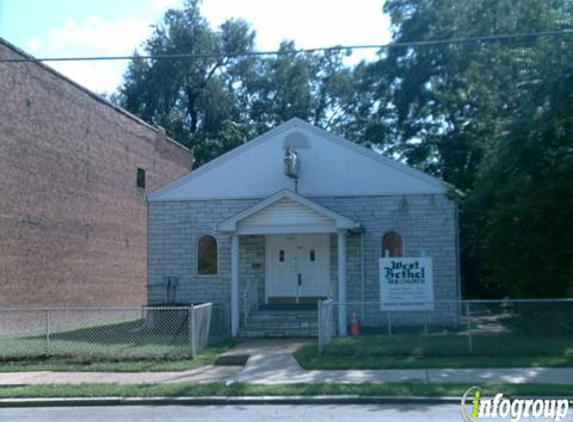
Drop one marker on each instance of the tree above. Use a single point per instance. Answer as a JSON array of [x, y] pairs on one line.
[[526, 188], [317, 87], [193, 98], [447, 99], [452, 108], [223, 97]]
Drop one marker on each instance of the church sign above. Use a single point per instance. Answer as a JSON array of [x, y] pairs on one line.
[[406, 284]]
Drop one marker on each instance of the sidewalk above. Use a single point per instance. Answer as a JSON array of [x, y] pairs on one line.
[[272, 362]]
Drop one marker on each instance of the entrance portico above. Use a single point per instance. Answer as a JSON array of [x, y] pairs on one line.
[[297, 251]]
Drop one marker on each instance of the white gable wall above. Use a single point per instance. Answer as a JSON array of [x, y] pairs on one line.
[[330, 167]]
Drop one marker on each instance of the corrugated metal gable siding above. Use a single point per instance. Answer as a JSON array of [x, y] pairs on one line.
[[285, 212], [326, 169]]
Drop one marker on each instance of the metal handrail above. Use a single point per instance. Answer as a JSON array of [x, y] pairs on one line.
[[245, 306], [247, 299]]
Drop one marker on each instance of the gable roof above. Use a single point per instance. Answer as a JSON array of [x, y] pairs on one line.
[[267, 217], [166, 192]]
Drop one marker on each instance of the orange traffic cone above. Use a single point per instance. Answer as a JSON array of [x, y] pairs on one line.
[[354, 326]]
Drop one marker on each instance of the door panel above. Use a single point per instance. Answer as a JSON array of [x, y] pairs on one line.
[[280, 257], [297, 267], [313, 265]]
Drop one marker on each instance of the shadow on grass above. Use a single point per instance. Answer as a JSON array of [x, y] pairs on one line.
[[115, 363], [409, 351], [133, 338]]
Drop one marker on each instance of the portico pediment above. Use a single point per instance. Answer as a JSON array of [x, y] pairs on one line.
[[286, 212]]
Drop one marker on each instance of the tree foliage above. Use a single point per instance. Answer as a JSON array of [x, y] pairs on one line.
[[219, 99], [526, 190], [485, 116], [192, 98]]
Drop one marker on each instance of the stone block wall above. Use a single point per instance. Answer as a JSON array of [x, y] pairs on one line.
[[427, 224]]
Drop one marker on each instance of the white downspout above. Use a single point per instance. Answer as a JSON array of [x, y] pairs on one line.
[[342, 283], [362, 277], [235, 285]]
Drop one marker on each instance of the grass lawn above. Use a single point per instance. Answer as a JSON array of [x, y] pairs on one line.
[[438, 351], [106, 364], [220, 389]]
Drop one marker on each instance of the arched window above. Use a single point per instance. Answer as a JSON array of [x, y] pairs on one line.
[[392, 245], [207, 255]]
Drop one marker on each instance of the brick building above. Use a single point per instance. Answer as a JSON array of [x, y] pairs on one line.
[[75, 171]]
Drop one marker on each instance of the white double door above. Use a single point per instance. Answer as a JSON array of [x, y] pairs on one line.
[[297, 268]]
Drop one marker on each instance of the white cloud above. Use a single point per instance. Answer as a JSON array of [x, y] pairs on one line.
[[311, 23], [93, 36], [94, 33]]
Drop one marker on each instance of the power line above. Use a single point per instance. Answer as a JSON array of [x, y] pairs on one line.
[[424, 43]]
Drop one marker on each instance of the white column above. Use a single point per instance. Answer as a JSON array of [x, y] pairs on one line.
[[234, 285], [342, 282]]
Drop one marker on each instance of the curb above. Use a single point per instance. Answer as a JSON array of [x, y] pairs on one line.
[[222, 400]]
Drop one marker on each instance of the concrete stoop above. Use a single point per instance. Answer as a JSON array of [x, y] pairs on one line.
[[280, 323]]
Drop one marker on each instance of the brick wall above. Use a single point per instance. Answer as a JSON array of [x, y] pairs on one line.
[[72, 221], [426, 222]]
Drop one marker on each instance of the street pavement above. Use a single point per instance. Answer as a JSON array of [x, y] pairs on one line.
[[275, 413]]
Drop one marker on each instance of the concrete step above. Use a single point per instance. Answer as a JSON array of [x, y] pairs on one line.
[[281, 327], [293, 319], [306, 315], [250, 333], [280, 324], [270, 320]]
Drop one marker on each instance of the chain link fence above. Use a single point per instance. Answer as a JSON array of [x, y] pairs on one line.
[[118, 333], [501, 328]]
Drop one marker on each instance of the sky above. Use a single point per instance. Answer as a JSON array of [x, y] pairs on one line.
[[58, 28]]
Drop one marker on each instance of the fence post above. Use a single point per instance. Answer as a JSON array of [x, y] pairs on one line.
[[192, 330], [47, 331], [320, 340], [469, 323], [389, 323]]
